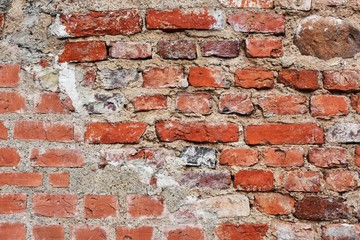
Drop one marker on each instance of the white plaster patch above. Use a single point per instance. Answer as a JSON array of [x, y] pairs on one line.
[[57, 29], [67, 84]]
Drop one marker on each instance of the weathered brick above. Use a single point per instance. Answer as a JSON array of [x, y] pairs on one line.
[[344, 133], [328, 157], [21, 179], [55, 205], [53, 232], [12, 203], [273, 105], [177, 49], [108, 133], [304, 5], [342, 180], [182, 19], [278, 133], [170, 131], [198, 156], [230, 231], [254, 78], [185, 233], [236, 103], [254, 180], [264, 48], [106, 103], [2, 21], [121, 22], [9, 75], [346, 80], [11, 102], [57, 158], [355, 102], [357, 156], [9, 157], [50, 103], [298, 231], [207, 77], [89, 232], [130, 50], [239, 157], [319, 209], [329, 105], [138, 233], [198, 103], [118, 78], [298, 181], [100, 206], [284, 157], [248, 4], [274, 203], [341, 231], [12, 231], [138, 206], [84, 51], [48, 131], [3, 131], [306, 80], [59, 180], [220, 179], [149, 102], [217, 48], [263, 22], [164, 77]]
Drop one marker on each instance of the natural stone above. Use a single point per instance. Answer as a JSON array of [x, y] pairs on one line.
[[344, 133], [199, 156]]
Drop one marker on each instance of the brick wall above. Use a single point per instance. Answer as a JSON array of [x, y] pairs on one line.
[[179, 120]]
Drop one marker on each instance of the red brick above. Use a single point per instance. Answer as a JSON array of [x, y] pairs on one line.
[[182, 19], [9, 75], [170, 131], [239, 157], [279, 133], [217, 48], [341, 232], [209, 179], [2, 22], [144, 206], [12, 231], [329, 105], [342, 181], [199, 103], [9, 157], [149, 102], [264, 48], [230, 231], [50, 103], [254, 180], [57, 158], [49, 131], [84, 51], [274, 203], [108, 133], [12, 203], [122, 22], [48, 232], [21, 179], [164, 77], [263, 22], [88, 75], [283, 104], [346, 80], [248, 3], [185, 233], [177, 49], [11, 102], [55, 205], [290, 157], [139, 233], [319, 209], [297, 181], [207, 77], [89, 232], [3, 131], [357, 156], [299, 79], [236, 103], [130, 50], [328, 157], [355, 102], [254, 78], [59, 180], [100, 206]]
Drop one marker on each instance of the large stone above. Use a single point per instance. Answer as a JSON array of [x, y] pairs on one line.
[[199, 156], [344, 133], [327, 37]]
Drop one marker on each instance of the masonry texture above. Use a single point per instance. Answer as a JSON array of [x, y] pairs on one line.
[[179, 120]]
